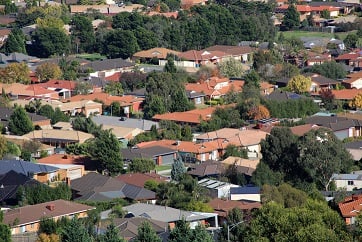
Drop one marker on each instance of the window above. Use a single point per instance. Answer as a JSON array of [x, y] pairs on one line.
[[350, 183]]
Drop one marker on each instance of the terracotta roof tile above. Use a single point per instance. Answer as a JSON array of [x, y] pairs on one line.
[[125, 100], [351, 206], [160, 53], [346, 94], [302, 129]]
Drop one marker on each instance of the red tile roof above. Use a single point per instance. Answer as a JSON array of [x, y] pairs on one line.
[[215, 86], [126, 100], [351, 206], [307, 8], [70, 85], [348, 56], [302, 129], [114, 78], [139, 179], [346, 94], [63, 159], [167, 15], [199, 55]]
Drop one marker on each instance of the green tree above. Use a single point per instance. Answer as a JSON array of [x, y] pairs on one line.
[[50, 41], [82, 33], [48, 71], [114, 88], [106, 148], [86, 125], [351, 41], [146, 39], [330, 69], [19, 122], [47, 226], [3, 146], [233, 150], [170, 66], [111, 235], [146, 234], [291, 17], [142, 165], [178, 169], [181, 232], [75, 231], [15, 42], [300, 84], [5, 232], [120, 43], [231, 68]]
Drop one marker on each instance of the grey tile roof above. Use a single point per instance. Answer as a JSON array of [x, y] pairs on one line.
[[148, 152], [333, 122], [321, 80], [346, 177], [25, 167], [129, 123], [193, 94]]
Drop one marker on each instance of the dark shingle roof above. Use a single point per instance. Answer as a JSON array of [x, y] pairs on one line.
[[107, 64], [280, 95], [333, 122], [24, 167], [245, 190], [321, 80], [148, 152]]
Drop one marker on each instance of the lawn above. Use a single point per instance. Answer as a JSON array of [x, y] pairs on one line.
[[298, 34], [163, 168], [91, 57]]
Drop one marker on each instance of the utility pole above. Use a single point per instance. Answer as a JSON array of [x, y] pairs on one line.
[[231, 226]]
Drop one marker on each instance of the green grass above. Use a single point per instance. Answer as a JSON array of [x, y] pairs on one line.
[[163, 167], [298, 34], [92, 57]]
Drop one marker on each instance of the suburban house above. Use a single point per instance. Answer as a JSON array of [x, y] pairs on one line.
[[10, 183], [107, 67], [355, 149], [217, 189], [171, 215], [348, 182], [248, 193], [223, 206], [244, 166], [22, 141], [197, 98], [21, 91], [215, 87], [77, 165], [354, 80], [37, 120], [248, 139], [64, 88], [106, 9], [342, 127], [58, 138], [16, 57], [317, 59], [305, 10], [187, 4], [128, 103], [27, 218], [197, 58], [123, 134], [350, 208], [345, 94], [352, 59], [280, 95], [157, 53], [141, 124], [207, 169], [320, 82], [240, 53], [128, 227], [300, 130], [4, 33], [96, 187], [41, 173], [160, 154]]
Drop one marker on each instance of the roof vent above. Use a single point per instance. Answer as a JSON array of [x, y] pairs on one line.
[[51, 207]]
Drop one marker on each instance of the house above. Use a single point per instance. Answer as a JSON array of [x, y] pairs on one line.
[[80, 164], [4, 34], [223, 206], [217, 189], [97, 187], [58, 138], [300, 130], [158, 53], [345, 94], [27, 218], [306, 10], [207, 169], [41, 173], [197, 98], [348, 182], [240, 53], [22, 141], [320, 82], [249, 193], [128, 227], [317, 59], [10, 183], [248, 139], [17, 57], [160, 154], [355, 149], [167, 15], [37, 120], [107, 67], [109, 9], [215, 87], [280, 95], [187, 4], [123, 134], [354, 80], [142, 124], [139, 179], [353, 59], [171, 215], [244, 166], [128, 103], [197, 58], [18, 91], [350, 208]]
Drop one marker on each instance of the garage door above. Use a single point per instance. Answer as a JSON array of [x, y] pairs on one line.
[[167, 159]]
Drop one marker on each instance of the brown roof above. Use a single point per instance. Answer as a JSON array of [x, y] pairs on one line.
[[215, 86], [346, 94], [244, 166], [55, 134], [351, 206], [126, 100], [63, 159], [34, 213], [207, 168], [4, 32], [198, 55], [302, 129], [192, 116], [230, 49], [160, 53], [222, 207], [139, 179]]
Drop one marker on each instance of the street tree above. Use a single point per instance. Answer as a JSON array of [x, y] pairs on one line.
[[106, 148], [299, 84], [146, 234], [142, 165], [19, 122], [48, 71], [15, 73]]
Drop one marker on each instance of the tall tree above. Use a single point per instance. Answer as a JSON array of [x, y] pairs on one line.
[[106, 148], [15, 72], [231, 68], [15, 42], [48, 71], [291, 17], [146, 234], [5, 232], [111, 235], [19, 122], [75, 232], [120, 43], [330, 69], [82, 33], [142, 165], [178, 169], [299, 84]]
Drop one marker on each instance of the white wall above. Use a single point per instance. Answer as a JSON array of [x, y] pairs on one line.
[[343, 184], [250, 197]]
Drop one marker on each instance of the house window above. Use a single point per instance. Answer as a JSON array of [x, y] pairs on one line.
[[350, 183]]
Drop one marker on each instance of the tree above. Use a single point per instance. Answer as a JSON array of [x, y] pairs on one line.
[[15, 72], [291, 17], [15, 42], [142, 165], [3, 146], [299, 84], [330, 69], [231, 68], [82, 33], [178, 169], [120, 43], [75, 232], [19, 122], [258, 112], [356, 102], [106, 148], [49, 41], [111, 235], [5, 232], [351, 41], [253, 79], [48, 71], [146, 39], [146, 234], [233, 150], [181, 232], [327, 97], [114, 88], [170, 66]]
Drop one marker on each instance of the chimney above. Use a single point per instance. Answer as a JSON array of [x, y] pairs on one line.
[[51, 207]]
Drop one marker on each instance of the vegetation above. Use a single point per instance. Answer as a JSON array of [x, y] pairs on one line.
[[146, 233], [5, 232], [19, 122], [142, 165]]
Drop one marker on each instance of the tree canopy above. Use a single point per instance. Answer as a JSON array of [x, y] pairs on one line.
[[19, 122]]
